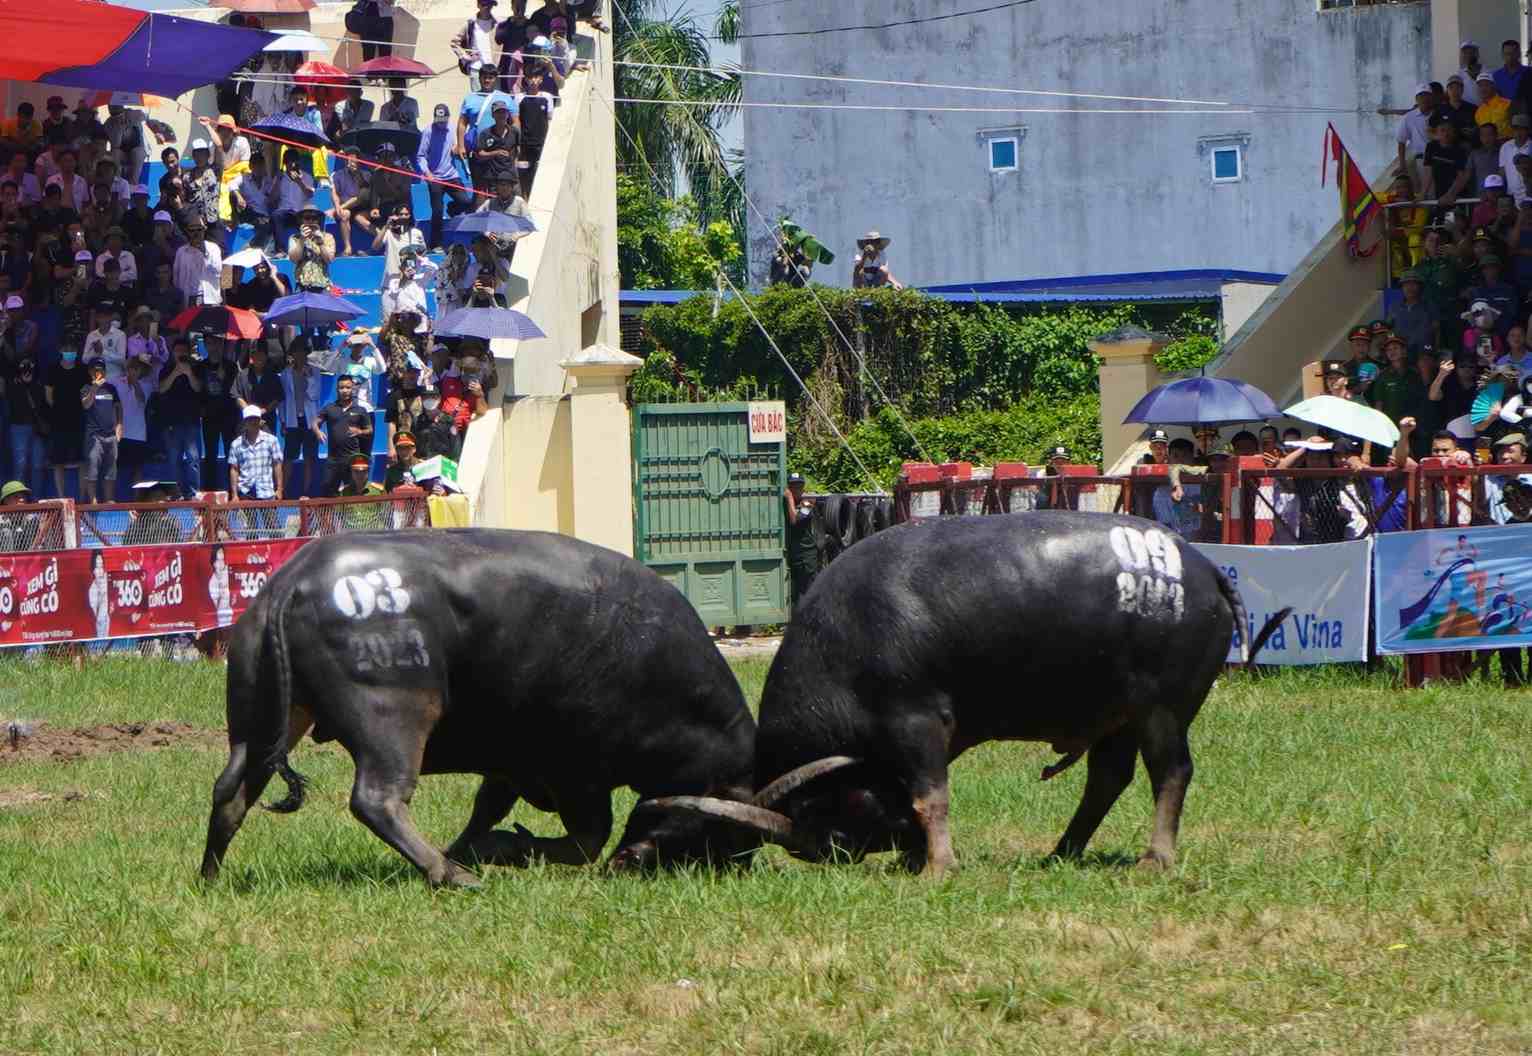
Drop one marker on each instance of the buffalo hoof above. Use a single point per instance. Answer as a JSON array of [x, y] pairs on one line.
[[1155, 862], [457, 879]]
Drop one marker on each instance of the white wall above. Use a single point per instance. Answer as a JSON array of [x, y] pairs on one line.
[[1094, 193]]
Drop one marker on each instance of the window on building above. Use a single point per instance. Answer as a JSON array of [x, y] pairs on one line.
[[1228, 164], [1002, 155]]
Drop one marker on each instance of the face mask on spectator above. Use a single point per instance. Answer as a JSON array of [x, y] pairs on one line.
[[430, 403], [68, 358]]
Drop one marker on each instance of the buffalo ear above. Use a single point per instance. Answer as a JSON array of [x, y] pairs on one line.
[[771, 826], [795, 779]]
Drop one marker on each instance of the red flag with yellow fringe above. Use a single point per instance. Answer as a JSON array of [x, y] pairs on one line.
[[1359, 206]]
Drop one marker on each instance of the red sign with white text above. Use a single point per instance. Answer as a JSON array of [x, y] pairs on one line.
[[132, 591]]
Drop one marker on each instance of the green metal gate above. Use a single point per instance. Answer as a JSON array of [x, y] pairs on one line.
[[708, 509]]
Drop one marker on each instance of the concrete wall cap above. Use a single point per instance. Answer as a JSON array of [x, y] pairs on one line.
[[602, 357]]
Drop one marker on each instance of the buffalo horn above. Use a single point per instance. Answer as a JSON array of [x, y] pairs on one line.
[[774, 827], [793, 780]]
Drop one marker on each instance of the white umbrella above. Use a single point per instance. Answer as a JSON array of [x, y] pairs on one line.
[[1346, 416], [298, 40], [248, 257]]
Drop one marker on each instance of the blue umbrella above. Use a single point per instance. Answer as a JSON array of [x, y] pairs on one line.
[[1203, 401], [469, 227], [487, 323], [286, 126], [311, 309]]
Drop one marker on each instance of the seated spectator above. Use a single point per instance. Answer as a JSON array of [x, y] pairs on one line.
[[390, 184], [311, 249], [116, 250], [105, 171], [1337, 382], [103, 429], [74, 192], [1497, 386], [162, 296], [1520, 143], [1177, 506], [1494, 291], [402, 465], [1487, 212], [349, 113], [403, 404], [1361, 370], [261, 291], [351, 189], [293, 190], [24, 132], [111, 294], [399, 108], [250, 199], [357, 482], [1516, 410], [1494, 108], [1481, 344], [156, 524], [871, 267]]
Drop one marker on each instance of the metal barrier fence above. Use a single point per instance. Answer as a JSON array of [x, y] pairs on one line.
[[990, 495], [60, 524]]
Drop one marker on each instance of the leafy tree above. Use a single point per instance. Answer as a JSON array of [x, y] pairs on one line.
[[660, 245]]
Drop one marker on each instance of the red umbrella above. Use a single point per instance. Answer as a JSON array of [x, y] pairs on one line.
[[218, 320], [392, 66], [325, 81], [266, 7]]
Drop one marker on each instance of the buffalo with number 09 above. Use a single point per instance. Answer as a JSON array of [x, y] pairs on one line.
[[557, 669], [1098, 634]]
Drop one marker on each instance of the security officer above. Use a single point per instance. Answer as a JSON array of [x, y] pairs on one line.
[[802, 552]]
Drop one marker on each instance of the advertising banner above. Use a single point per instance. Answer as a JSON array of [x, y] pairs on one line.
[[132, 591], [1326, 587], [1449, 589]]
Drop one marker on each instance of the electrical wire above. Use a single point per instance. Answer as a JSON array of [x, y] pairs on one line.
[[745, 303], [951, 109], [882, 25]]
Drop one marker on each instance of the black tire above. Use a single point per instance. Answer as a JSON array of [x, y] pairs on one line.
[[882, 513], [864, 513], [830, 517], [847, 521]]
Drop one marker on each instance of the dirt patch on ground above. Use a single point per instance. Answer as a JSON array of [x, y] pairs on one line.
[[20, 742]]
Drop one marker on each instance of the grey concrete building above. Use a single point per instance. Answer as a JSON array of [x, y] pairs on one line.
[[988, 196]]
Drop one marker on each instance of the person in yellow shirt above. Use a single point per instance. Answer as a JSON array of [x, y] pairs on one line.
[[24, 131], [1406, 225], [1494, 108]]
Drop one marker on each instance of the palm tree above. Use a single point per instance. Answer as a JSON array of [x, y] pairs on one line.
[[676, 132]]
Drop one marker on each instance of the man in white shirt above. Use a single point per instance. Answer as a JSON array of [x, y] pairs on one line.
[[229, 148], [250, 197], [1519, 143], [292, 192], [127, 266], [107, 344], [198, 266], [476, 43], [1414, 133], [300, 410], [1468, 55], [72, 186], [399, 232]]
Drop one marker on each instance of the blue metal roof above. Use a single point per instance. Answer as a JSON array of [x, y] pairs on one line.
[[1184, 285]]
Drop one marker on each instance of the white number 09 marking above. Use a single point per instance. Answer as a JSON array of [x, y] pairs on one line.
[[379, 590]]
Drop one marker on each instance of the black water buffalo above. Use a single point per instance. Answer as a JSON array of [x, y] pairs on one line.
[[1098, 634], [557, 669]]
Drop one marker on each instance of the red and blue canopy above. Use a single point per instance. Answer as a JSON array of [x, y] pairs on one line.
[[88, 44]]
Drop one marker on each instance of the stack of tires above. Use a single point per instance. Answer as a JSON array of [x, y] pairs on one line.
[[841, 520]]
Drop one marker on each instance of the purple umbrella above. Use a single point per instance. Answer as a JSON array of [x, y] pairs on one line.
[[1203, 401], [300, 130], [311, 309], [487, 323]]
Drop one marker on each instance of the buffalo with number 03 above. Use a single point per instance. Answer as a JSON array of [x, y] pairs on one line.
[[557, 669], [1098, 634]]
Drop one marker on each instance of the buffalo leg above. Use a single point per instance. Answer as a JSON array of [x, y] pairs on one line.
[[493, 801], [1168, 757], [587, 817], [930, 805], [921, 743], [380, 797], [237, 789], [1109, 769]]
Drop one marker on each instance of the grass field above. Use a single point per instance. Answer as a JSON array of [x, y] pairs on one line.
[[1354, 877]]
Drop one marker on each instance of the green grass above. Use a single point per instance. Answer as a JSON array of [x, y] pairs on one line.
[[1354, 877]]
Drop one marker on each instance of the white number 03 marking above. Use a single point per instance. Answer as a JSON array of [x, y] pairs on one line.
[[358, 597]]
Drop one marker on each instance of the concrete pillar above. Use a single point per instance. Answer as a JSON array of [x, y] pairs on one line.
[[601, 436], [1127, 374]]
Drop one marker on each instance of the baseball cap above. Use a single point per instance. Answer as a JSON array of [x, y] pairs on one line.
[[1424, 89], [83, 257], [1361, 333], [795, 478], [162, 217], [250, 411], [1494, 180], [1455, 77], [499, 104], [13, 302], [358, 338], [1332, 370], [199, 144], [1060, 451], [225, 121], [1485, 75], [387, 147], [1467, 44], [140, 189], [1378, 326], [1511, 438], [1159, 436]]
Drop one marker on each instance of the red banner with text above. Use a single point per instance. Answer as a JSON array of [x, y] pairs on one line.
[[132, 591]]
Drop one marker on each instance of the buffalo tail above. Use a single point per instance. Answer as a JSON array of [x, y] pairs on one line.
[[1247, 649], [276, 751], [1265, 633]]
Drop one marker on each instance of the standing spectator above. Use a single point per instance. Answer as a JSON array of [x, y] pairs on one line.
[[199, 266], [436, 430], [1481, 345], [361, 364], [163, 297], [871, 266], [497, 149], [401, 469], [435, 161], [475, 45], [1517, 353], [390, 184], [349, 113], [135, 390], [399, 108], [261, 291], [1509, 77], [534, 113], [397, 235], [103, 429], [161, 249], [1413, 134], [347, 429], [1496, 292], [403, 406], [107, 345], [144, 341], [220, 413], [1361, 369], [1439, 271], [63, 384], [802, 553], [300, 419], [116, 249], [373, 23], [259, 385], [311, 250], [1446, 165], [1427, 412], [293, 190], [180, 413], [1413, 319], [351, 187], [513, 35], [1468, 71], [1494, 108], [452, 282], [255, 470], [138, 221], [1519, 143], [27, 410], [357, 483], [1397, 392], [478, 97], [1519, 241], [1459, 110], [74, 192], [200, 191], [407, 299]]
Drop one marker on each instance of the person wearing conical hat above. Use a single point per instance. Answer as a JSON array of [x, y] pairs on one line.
[[871, 268]]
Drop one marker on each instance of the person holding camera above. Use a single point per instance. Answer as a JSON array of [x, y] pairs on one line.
[[103, 429], [871, 267], [802, 550], [199, 266], [180, 414], [399, 235], [311, 250]]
